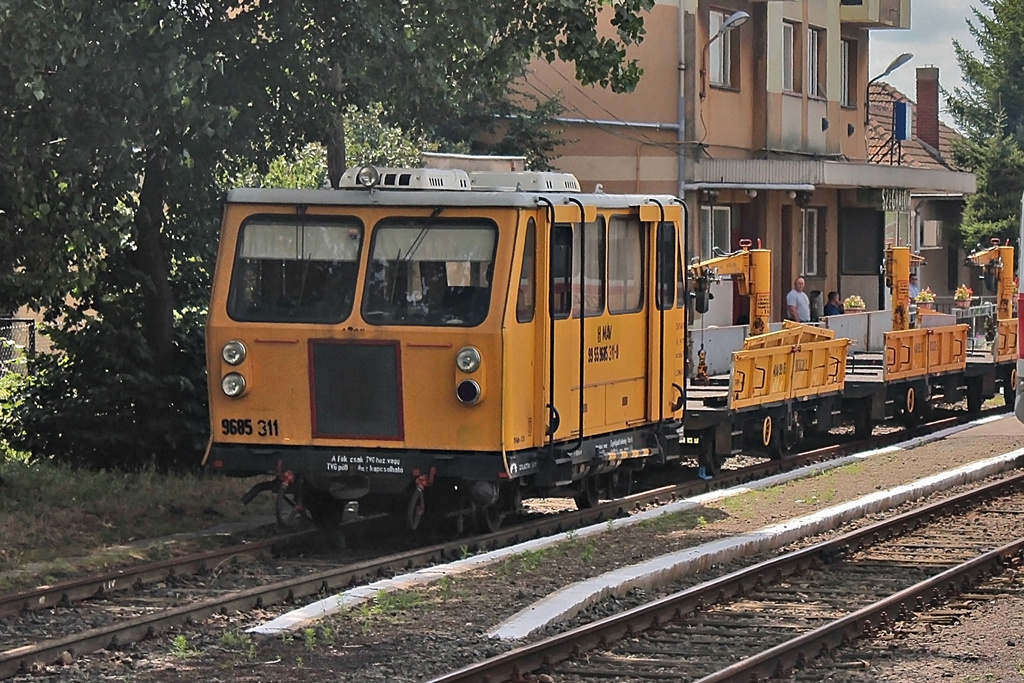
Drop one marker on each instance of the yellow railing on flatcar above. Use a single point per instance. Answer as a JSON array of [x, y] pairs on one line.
[[791, 333], [906, 354], [763, 376], [947, 348], [916, 353], [1004, 348]]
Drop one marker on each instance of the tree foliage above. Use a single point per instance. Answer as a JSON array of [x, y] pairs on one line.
[[990, 111], [121, 120]]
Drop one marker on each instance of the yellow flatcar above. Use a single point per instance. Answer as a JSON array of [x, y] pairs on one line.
[[432, 341]]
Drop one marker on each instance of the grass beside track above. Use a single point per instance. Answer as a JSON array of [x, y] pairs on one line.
[[56, 521]]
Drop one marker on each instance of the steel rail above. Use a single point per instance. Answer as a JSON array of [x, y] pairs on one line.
[[513, 664], [13, 661]]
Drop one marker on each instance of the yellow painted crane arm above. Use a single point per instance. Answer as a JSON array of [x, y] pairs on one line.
[[752, 269]]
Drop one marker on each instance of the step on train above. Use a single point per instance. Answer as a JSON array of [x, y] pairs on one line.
[[444, 342]]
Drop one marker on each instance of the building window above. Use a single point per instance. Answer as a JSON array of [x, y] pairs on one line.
[[810, 243], [715, 231], [720, 52], [789, 49], [848, 73], [815, 62]]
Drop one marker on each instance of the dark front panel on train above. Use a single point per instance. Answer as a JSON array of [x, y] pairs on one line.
[[357, 391]]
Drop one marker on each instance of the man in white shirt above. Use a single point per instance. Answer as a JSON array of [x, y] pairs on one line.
[[915, 288], [798, 305]]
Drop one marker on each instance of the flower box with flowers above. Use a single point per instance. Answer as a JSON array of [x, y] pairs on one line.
[[854, 303], [925, 299], [962, 296]]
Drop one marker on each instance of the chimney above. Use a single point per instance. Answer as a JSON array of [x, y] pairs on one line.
[[928, 105]]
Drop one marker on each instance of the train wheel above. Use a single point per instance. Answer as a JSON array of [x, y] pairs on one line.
[[415, 509], [291, 514], [913, 406], [974, 395], [488, 518], [862, 424], [622, 483], [1010, 388], [710, 460], [588, 495]]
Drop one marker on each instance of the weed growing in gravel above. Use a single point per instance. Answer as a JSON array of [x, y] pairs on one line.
[[588, 551], [181, 649], [675, 521], [463, 552], [309, 637], [239, 642], [445, 586]]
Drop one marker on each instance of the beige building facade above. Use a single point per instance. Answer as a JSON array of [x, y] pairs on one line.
[[756, 113]]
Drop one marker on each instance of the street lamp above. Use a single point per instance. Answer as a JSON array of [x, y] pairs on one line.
[[734, 20], [893, 65]]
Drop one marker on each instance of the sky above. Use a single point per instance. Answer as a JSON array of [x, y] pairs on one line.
[[934, 24]]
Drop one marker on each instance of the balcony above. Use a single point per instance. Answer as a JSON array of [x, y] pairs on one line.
[[876, 13]]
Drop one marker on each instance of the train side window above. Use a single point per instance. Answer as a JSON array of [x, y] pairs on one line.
[[625, 265], [527, 297], [666, 264], [561, 270], [592, 281]]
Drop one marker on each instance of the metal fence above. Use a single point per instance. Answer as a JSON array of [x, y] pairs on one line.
[[17, 341]]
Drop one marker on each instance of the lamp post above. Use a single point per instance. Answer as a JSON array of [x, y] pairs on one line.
[[893, 65], [734, 20]]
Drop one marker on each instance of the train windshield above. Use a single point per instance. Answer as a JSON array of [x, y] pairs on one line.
[[430, 272], [295, 269]]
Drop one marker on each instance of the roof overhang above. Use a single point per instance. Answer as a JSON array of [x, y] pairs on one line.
[[825, 173]]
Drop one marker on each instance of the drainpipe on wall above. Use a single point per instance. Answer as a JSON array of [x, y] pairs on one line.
[[681, 105]]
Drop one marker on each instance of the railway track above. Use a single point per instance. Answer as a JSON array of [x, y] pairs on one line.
[[784, 614], [136, 603]]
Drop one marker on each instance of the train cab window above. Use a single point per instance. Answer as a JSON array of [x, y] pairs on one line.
[[572, 290], [430, 271], [527, 296], [666, 263], [625, 265], [295, 269], [561, 270], [592, 282]]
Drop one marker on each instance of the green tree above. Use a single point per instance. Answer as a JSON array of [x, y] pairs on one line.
[[990, 111], [120, 121]]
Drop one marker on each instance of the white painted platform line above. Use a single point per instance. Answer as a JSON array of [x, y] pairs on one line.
[[355, 597], [567, 602]]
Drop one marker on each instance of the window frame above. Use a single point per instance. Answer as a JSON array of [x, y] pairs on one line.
[[811, 261], [708, 228], [848, 73], [790, 74], [816, 41], [719, 57]]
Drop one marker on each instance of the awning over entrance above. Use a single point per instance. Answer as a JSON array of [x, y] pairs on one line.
[[744, 173]]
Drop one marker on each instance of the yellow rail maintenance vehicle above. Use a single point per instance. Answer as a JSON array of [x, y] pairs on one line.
[[442, 342]]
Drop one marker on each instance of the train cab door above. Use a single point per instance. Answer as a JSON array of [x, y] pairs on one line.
[[667, 325], [575, 262]]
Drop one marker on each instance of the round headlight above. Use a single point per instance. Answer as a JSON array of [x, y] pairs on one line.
[[468, 392], [233, 384], [468, 359], [368, 176], [233, 352]]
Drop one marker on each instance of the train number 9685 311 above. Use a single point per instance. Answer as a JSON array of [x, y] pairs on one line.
[[246, 427]]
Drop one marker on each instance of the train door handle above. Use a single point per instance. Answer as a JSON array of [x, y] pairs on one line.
[[554, 420], [678, 403]]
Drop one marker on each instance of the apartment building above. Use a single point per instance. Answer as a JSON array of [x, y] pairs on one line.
[[756, 112]]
